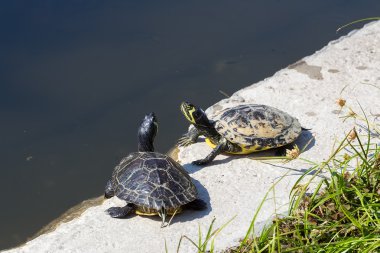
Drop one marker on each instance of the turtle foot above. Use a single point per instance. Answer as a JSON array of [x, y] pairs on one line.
[[281, 151], [185, 141], [119, 212], [200, 162], [188, 138]]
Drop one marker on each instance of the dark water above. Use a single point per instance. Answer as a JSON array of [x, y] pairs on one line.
[[76, 78]]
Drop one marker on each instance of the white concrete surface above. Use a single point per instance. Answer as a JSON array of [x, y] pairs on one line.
[[235, 185]]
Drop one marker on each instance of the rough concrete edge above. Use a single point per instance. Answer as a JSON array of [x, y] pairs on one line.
[[69, 215]]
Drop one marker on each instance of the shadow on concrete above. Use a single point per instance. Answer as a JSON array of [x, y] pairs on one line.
[[367, 130], [298, 172], [189, 215], [304, 142]]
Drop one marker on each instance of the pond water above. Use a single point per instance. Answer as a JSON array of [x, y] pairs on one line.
[[77, 77]]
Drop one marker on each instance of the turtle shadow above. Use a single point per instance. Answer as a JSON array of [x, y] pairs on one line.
[[189, 215], [304, 142]]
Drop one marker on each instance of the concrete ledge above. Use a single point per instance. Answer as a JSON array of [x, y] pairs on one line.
[[235, 185]]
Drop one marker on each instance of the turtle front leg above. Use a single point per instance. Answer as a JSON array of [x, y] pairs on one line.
[[189, 138], [120, 212], [220, 148], [109, 192]]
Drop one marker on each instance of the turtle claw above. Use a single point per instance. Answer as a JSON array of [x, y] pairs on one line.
[[185, 141], [115, 212], [188, 138]]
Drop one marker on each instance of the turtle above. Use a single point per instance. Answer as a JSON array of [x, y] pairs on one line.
[[242, 129], [151, 183]]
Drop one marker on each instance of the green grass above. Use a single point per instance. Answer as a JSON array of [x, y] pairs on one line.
[[340, 214], [357, 21]]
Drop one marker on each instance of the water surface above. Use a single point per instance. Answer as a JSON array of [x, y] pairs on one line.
[[77, 77]]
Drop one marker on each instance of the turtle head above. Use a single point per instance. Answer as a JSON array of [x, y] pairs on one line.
[[147, 131], [195, 115]]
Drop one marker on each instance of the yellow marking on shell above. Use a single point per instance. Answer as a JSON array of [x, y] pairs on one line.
[[262, 128], [170, 212], [245, 150]]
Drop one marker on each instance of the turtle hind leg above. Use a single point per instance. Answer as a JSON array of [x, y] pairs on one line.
[[281, 151], [197, 205], [109, 192], [120, 212]]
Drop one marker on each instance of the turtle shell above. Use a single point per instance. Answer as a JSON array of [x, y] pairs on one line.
[[152, 180], [257, 126]]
